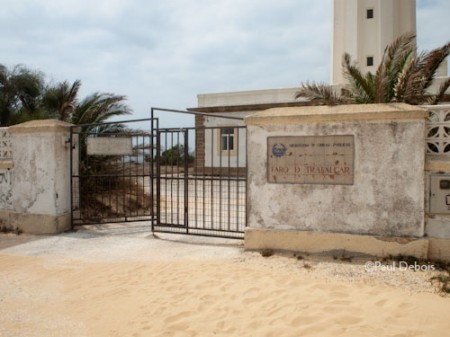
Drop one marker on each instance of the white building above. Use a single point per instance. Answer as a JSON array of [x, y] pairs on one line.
[[363, 28], [221, 142]]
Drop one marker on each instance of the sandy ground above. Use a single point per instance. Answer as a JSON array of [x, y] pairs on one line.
[[125, 282]]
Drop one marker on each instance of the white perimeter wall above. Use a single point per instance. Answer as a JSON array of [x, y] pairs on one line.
[[386, 198]]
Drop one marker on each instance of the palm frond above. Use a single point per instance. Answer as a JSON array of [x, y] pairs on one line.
[[99, 107], [441, 93], [68, 105], [402, 76], [404, 87], [61, 99], [395, 57], [358, 85], [415, 90], [3, 75], [430, 63], [320, 93]]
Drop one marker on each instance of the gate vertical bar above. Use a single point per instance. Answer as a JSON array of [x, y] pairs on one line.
[[71, 177], [152, 173], [186, 179], [158, 176]]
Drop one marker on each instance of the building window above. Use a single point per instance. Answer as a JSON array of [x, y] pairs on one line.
[[227, 139], [370, 13], [370, 61]]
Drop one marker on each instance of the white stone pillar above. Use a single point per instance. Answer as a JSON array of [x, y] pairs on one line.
[[40, 178], [327, 178]]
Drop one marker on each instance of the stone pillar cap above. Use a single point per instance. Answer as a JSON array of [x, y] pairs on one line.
[[337, 113], [40, 126]]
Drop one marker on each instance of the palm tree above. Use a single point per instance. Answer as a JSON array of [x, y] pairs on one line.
[[61, 100], [402, 76], [25, 96], [20, 95], [94, 110], [98, 108]]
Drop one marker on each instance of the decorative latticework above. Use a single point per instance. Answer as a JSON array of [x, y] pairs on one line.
[[5, 144], [438, 130]]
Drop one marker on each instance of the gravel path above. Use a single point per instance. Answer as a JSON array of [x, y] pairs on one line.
[[118, 242]]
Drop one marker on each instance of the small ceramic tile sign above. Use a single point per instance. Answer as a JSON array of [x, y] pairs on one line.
[[327, 160]]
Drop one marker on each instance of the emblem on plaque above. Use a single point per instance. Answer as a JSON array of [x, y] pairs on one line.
[[279, 150]]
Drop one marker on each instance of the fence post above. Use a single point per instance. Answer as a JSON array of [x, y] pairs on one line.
[[40, 178]]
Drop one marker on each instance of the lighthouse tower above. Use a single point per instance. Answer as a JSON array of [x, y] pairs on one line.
[[363, 28]]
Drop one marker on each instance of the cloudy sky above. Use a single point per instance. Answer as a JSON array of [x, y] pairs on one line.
[[164, 52]]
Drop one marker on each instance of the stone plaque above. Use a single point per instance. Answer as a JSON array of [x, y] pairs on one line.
[[311, 159], [110, 146]]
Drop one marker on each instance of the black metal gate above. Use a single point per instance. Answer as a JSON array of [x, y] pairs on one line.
[[110, 169], [189, 180], [201, 177]]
